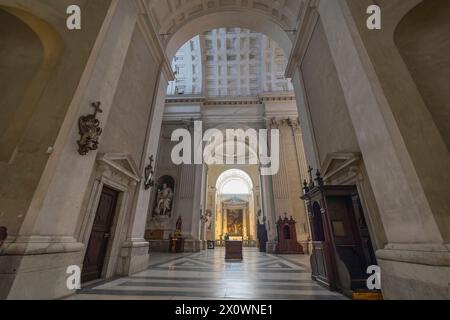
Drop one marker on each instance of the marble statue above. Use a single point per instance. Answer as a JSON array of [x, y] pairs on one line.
[[164, 201], [208, 219]]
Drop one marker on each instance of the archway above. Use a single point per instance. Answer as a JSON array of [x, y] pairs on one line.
[[229, 19], [248, 150], [422, 39], [235, 207], [28, 56]]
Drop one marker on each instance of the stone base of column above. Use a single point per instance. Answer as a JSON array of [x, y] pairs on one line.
[[414, 275], [192, 245], [159, 245], [307, 246], [134, 257], [34, 268], [271, 246]]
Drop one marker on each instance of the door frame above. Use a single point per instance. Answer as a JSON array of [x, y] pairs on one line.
[[114, 245]]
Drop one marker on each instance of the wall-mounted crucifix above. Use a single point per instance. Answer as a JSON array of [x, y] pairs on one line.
[[90, 131]]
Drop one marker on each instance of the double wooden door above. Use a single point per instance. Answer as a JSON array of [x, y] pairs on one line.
[[101, 233]]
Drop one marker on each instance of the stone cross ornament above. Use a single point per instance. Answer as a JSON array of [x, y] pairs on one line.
[[90, 131]]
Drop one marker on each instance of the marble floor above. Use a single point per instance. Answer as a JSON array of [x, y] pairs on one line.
[[206, 275]]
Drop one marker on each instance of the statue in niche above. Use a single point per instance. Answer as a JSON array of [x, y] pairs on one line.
[[208, 219], [164, 198]]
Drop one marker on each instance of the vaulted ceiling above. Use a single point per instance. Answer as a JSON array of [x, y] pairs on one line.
[[229, 62], [170, 15]]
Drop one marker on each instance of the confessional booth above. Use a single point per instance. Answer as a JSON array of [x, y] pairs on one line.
[[342, 249]]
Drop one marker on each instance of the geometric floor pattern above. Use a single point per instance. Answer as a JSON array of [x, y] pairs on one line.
[[206, 275]]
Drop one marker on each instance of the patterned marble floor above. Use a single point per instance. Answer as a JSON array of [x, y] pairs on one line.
[[206, 275]]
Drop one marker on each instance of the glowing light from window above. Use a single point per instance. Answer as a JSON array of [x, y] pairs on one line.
[[235, 186]]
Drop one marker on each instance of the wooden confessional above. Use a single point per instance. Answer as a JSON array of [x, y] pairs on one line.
[[342, 249], [287, 237]]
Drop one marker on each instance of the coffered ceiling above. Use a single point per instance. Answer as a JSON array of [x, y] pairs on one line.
[[170, 15]]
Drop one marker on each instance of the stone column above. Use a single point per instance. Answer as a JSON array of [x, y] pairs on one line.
[[211, 205], [269, 211], [225, 221], [251, 216], [299, 149], [303, 173], [193, 244], [203, 204], [280, 180], [218, 219], [49, 234], [135, 250], [244, 223], [417, 253]]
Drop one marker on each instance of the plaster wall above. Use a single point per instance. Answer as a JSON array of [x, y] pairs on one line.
[[127, 125], [332, 126], [25, 144]]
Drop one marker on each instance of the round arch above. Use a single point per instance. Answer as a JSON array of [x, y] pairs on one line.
[[248, 19], [32, 48], [251, 152], [418, 38], [234, 174]]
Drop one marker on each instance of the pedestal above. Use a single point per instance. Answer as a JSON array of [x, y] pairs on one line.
[[176, 245], [159, 245], [233, 250]]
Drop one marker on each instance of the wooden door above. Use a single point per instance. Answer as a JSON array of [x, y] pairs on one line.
[[347, 240], [100, 235], [321, 267]]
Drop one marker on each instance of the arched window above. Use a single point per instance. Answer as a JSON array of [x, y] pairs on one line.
[[234, 182]]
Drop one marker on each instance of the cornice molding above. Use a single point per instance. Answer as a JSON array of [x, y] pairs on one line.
[[231, 101], [306, 24], [153, 41], [345, 161], [113, 160]]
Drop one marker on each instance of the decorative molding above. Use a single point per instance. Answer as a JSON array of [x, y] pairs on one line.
[[122, 163], [35, 245], [306, 24], [89, 131], [185, 99], [152, 38], [231, 101], [173, 15], [344, 161], [277, 123]]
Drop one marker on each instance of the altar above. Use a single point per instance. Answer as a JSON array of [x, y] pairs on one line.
[[233, 250]]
